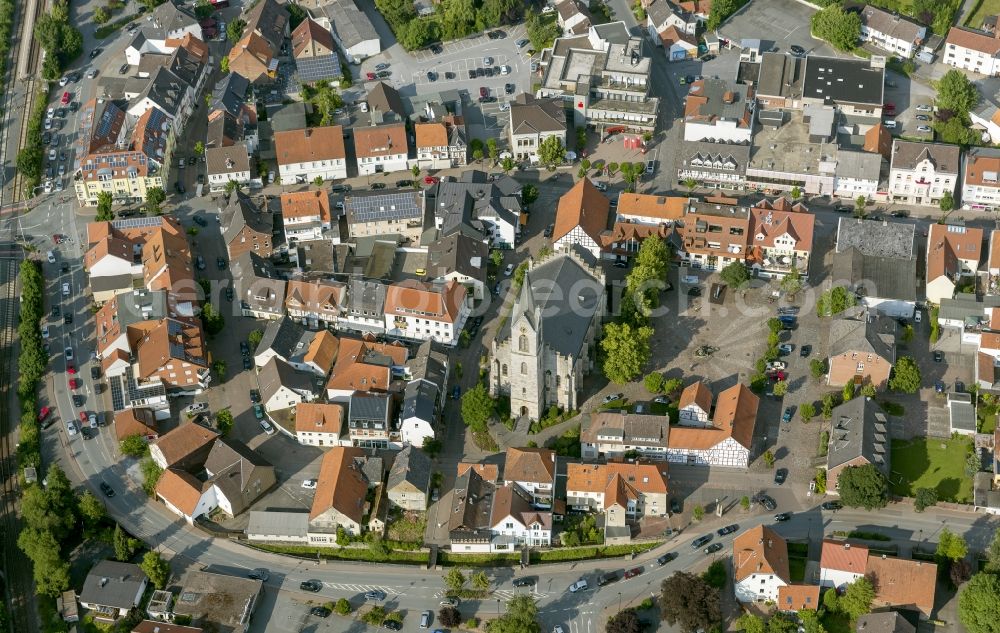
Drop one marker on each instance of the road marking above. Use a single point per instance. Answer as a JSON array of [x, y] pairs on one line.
[[363, 588]]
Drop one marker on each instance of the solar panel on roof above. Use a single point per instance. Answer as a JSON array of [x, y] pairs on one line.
[[136, 223], [384, 208], [117, 397], [318, 68]]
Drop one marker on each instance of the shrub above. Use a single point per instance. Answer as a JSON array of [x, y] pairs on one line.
[[698, 513], [654, 382], [343, 607]]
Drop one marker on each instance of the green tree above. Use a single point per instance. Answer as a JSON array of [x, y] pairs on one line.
[[956, 93], [101, 15], [529, 193], [230, 187], [104, 212], [716, 574], [342, 607], [792, 282], [626, 351], [124, 544], [224, 421], [993, 554], [951, 546], [204, 9], [507, 164], [551, 152], [158, 569], [689, 602], [810, 621], [254, 338], [496, 258], [863, 487], [780, 389], [859, 206], [542, 29], [654, 382], [477, 407], [224, 64], [396, 12], [857, 599], [480, 581], [234, 29], [155, 196], [698, 513], [955, 130], [449, 616], [735, 274], [672, 385], [91, 511], [905, 375], [848, 392], [817, 367], [769, 459], [745, 502], [626, 621], [979, 603], [151, 472], [750, 623], [924, 498], [521, 617], [457, 18], [133, 446], [690, 184], [840, 28], [492, 149], [199, 148], [947, 202], [454, 579], [212, 319], [416, 33]]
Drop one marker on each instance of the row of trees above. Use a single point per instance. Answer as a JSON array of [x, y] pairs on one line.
[[979, 600], [625, 344], [61, 41], [31, 362], [30, 156], [840, 28], [453, 19]]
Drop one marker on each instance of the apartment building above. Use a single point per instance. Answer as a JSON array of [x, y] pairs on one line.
[[922, 173], [306, 154], [423, 311]]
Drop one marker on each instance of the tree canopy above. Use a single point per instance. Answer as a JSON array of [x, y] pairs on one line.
[[551, 151], [735, 274], [521, 617], [477, 407], [957, 93], [626, 621], [840, 28], [951, 546], [626, 351], [905, 375], [689, 602], [863, 487], [979, 604], [857, 599]]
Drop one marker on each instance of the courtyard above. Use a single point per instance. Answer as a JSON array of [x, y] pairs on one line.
[[925, 462]]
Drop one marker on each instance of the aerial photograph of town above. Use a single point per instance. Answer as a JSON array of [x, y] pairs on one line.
[[500, 316]]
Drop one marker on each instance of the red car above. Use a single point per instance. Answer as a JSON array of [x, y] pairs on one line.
[[74, 383], [632, 573], [57, 238], [484, 91], [777, 376], [370, 76], [70, 369], [888, 106], [431, 180], [43, 413], [83, 417]]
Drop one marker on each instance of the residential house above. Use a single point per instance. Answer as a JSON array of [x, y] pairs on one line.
[[624, 492], [985, 118], [715, 233], [441, 144], [760, 565], [225, 164], [718, 165], [923, 173], [719, 109], [533, 470], [781, 238], [885, 621], [678, 45], [218, 602], [137, 421], [475, 205], [108, 162], [854, 87], [261, 293], [229, 96], [386, 212], [173, 22], [616, 64], [461, 258], [364, 365], [981, 179], [841, 563], [891, 32], [514, 522], [988, 361], [316, 304], [319, 424], [572, 17], [112, 589], [246, 228], [282, 386], [370, 421], [409, 479], [287, 340], [903, 584], [726, 439], [878, 262], [184, 447], [953, 254], [315, 52], [859, 436], [156, 626], [307, 154], [385, 104], [381, 148], [469, 522], [581, 218], [661, 15], [611, 434], [862, 348], [973, 50], [352, 29], [540, 356], [795, 598], [422, 398], [305, 215], [533, 120], [255, 56], [638, 217], [423, 311], [341, 491]]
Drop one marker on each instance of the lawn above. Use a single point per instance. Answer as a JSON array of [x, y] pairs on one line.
[[983, 9], [797, 568], [407, 526], [931, 463]]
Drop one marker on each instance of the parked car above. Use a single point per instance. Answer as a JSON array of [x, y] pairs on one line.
[[780, 476], [524, 581], [376, 595], [508, 270], [701, 540], [107, 489], [714, 547], [200, 221], [607, 578], [632, 573], [268, 429], [805, 350], [785, 349], [784, 516], [832, 505], [767, 502], [797, 50], [196, 407], [786, 417], [449, 602], [923, 107], [260, 574], [320, 612], [666, 558], [729, 529], [579, 585], [258, 412]]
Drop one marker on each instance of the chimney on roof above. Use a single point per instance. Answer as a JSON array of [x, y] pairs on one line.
[[729, 97]]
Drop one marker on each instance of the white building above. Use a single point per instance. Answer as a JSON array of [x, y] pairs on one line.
[[319, 424], [581, 217], [282, 387], [422, 312], [381, 148], [981, 179], [532, 470], [303, 155], [351, 28], [514, 522], [726, 440], [973, 50], [856, 174], [719, 109], [532, 121], [841, 563], [922, 173], [760, 565], [891, 32], [225, 164]]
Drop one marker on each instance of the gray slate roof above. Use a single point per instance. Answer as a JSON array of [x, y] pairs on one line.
[[714, 157], [351, 25], [884, 622], [243, 212], [236, 469], [962, 413], [273, 522], [165, 89], [270, 20], [967, 307], [882, 239], [884, 277], [907, 154], [859, 429], [891, 24], [566, 296], [112, 584], [419, 399], [780, 75], [366, 297], [472, 500], [430, 363], [460, 253], [386, 99], [530, 115], [413, 467], [229, 93], [257, 283], [459, 204], [286, 338], [276, 373], [369, 406], [170, 17], [864, 332]]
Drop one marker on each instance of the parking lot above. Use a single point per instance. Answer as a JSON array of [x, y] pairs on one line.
[[777, 23]]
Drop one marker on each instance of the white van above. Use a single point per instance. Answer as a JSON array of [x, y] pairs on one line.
[[889, 123], [51, 256], [65, 289]]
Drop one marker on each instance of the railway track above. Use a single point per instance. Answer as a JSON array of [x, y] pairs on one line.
[[14, 64], [17, 568]]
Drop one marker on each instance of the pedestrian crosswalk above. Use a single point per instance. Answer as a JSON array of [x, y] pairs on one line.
[[502, 594], [391, 591]]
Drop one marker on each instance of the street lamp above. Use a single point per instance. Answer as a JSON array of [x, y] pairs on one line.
[[619, 602], [498, 607]]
